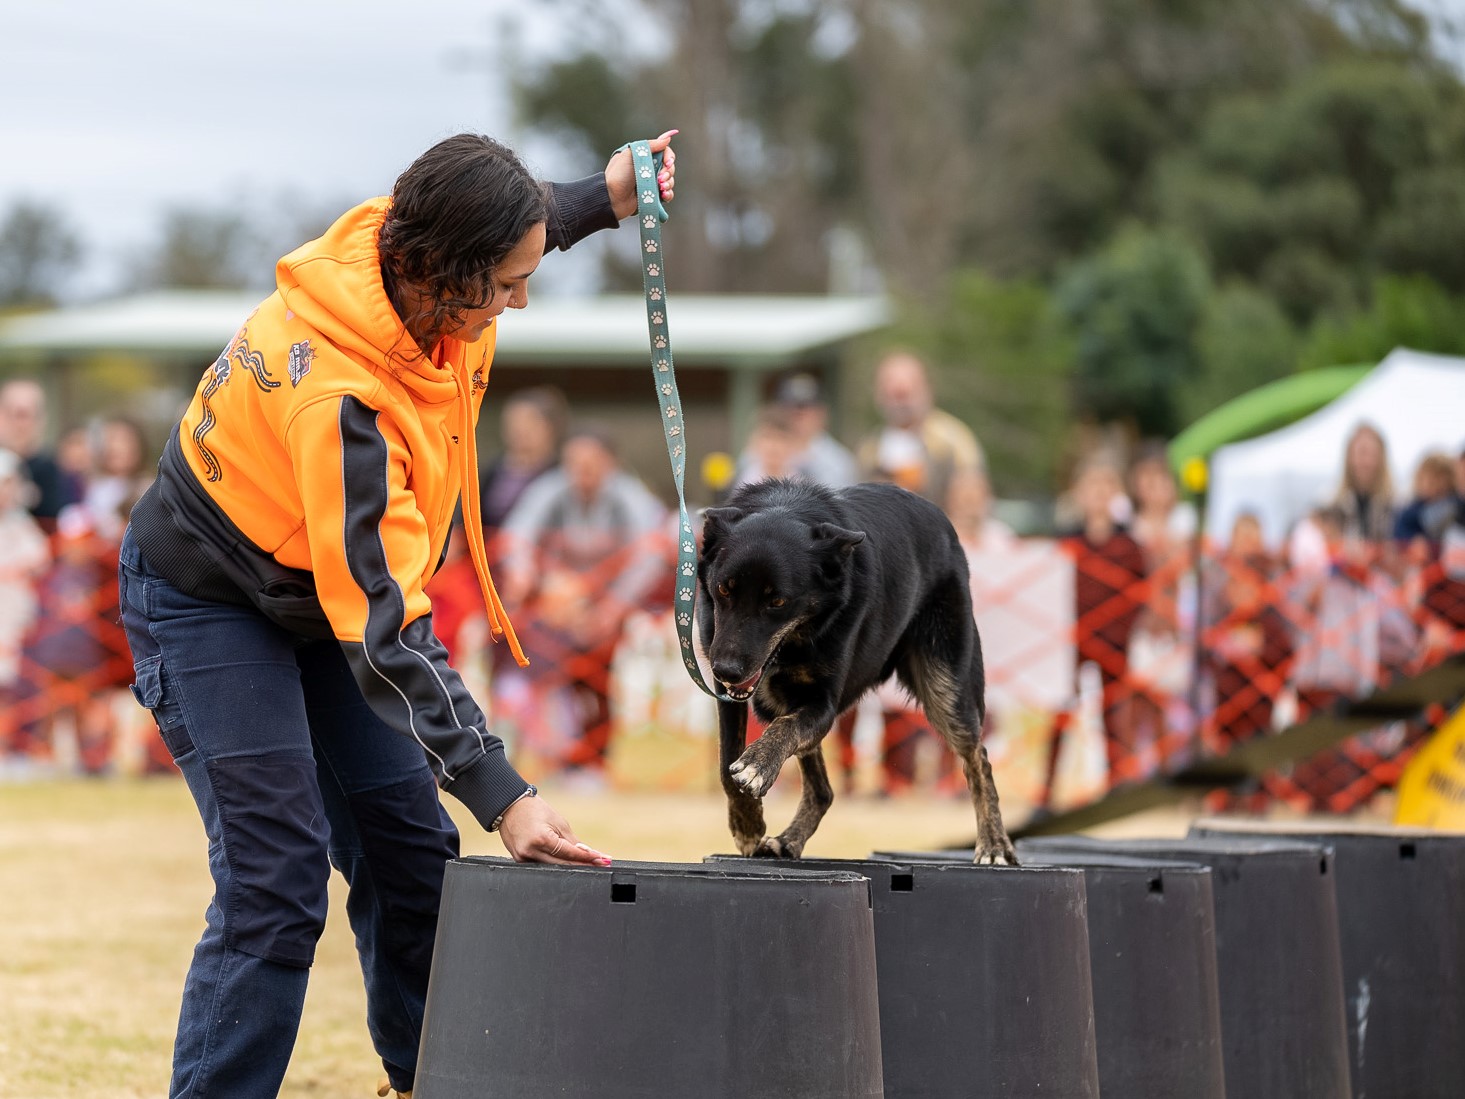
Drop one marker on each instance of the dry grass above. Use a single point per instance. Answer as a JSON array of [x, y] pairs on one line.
[[105, 883]]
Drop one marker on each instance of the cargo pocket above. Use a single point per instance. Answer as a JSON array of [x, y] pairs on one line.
[[148, 689]]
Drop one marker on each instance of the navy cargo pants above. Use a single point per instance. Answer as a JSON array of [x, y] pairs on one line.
[[293, 774]]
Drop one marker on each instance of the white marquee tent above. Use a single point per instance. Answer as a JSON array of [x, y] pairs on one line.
[[1416, 401]]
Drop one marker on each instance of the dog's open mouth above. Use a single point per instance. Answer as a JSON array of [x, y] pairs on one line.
[[741, 692]]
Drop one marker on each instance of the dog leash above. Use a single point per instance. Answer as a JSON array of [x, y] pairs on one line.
[[650, 214]]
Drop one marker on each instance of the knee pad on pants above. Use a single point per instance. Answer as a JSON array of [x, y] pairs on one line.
[[274, 834]]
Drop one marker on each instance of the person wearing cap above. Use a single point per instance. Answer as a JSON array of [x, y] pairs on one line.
[[272, 592], [815, 455]]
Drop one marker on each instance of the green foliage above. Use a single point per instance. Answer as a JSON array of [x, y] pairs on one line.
[[1355, 168], [1134, 309], [1118, 209], [1227, 212], [1413, 312], [586, 100], [1425, 230], [1305, 281], [1244, 340]]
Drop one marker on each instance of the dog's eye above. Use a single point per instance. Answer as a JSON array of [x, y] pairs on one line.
[[722, 590], [777, 601]]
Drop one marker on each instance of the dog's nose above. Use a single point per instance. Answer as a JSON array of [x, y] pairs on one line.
[[727, 672]]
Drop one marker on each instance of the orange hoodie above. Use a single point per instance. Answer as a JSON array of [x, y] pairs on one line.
[[315, 475]]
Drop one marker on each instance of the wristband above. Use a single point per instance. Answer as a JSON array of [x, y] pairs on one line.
[[530, 791]]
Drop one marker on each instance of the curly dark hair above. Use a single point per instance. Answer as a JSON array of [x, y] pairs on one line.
[[456, 212]]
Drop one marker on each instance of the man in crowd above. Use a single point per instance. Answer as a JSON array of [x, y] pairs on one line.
[[583, 550], [918, 446]]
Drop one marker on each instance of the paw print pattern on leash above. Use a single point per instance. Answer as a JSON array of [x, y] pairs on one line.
[[669, 400]]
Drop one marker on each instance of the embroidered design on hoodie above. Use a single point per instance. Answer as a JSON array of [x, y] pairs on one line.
[[301, 355], [237, 353]]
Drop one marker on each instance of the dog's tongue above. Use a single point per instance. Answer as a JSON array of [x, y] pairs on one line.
[[749, 683]]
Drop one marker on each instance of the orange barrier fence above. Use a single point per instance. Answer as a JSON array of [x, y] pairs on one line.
[[1100, 671], [65, 703]]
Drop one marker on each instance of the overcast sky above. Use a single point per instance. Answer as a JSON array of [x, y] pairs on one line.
[[115, 111]]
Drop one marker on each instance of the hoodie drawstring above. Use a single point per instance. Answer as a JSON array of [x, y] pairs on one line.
[[498, 618]]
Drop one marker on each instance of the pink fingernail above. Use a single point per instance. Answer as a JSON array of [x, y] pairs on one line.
[[602, 862]]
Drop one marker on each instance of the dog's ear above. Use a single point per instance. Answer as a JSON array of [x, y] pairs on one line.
[[837, 538], [715, 523]]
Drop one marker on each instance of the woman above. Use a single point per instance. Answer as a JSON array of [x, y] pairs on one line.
[[1366, 493], [272, 582]]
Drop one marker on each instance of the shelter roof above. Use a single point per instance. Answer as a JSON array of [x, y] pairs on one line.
[[757, 331]]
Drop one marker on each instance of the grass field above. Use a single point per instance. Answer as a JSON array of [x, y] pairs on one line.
[[104, 884]]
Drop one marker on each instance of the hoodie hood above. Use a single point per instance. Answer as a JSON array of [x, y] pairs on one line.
[[334, 284]]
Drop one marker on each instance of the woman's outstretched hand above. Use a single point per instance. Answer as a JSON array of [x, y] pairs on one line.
[[533, 832], [620, 176]]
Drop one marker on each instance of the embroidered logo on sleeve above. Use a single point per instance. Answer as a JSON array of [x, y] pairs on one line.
[[301, 356], [252, 362]]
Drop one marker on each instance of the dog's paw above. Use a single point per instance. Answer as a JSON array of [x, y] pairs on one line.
[[995, 854], [776, 847], [747, 845], [745, 818], [753, 773]]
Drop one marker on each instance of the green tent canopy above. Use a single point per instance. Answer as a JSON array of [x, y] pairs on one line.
[[1263, 409]]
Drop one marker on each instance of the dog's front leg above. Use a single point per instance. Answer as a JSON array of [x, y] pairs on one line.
[[744, 811], [814, 802], [791, 734]]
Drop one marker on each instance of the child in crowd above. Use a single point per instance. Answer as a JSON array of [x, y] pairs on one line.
[[1161, 655], [1433, 509], [1246, 649], [1350, 632]]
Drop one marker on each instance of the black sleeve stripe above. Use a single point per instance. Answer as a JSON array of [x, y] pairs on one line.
[[406, 677]]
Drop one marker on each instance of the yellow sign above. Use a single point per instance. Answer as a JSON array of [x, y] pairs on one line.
[[718, 470], [1432, 789]]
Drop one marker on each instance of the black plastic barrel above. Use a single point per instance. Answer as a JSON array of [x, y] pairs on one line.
[[985, 988], [1152, 947], [1277, 957], [1401, 914], [650, 980]]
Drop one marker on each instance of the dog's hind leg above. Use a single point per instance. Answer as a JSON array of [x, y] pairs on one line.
[[952, 702], [744, 811], [814, 802]]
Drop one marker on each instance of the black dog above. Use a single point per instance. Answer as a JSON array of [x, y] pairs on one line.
[[817, 596]]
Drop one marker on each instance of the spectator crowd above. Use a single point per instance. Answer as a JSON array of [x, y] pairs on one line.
[[64, 663], [1127, 627]]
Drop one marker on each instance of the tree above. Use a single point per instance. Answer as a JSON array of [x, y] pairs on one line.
[[1421, 233], [38, 252], [1355, 168], [1115, 155], [1134, 309], [1244, 340], [1413, 312], [205, 249]]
